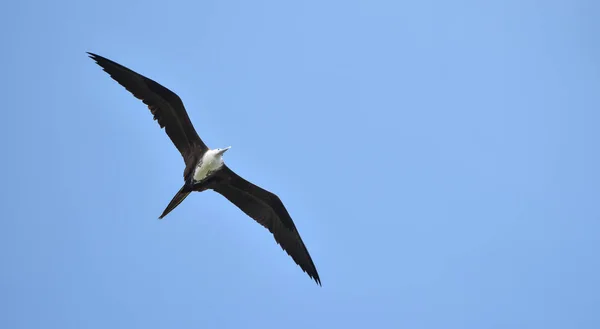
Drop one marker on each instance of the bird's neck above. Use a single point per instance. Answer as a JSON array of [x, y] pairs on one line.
[[212, 157]]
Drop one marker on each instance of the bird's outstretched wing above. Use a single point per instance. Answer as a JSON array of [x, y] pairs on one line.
[[166, 107], [267, 209]]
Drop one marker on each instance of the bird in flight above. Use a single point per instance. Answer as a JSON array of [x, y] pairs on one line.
[[205, 168]]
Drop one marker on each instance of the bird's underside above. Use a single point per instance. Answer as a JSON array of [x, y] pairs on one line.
[[261, 205]]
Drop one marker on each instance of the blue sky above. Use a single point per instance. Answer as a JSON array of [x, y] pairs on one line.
[[439, 158]]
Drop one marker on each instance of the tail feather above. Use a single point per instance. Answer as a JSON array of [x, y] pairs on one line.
[[177, 199]]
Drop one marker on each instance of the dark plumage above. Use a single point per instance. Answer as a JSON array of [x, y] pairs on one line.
[[263, 206]]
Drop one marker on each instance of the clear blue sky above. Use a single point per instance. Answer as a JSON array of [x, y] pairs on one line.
[[440, 159]]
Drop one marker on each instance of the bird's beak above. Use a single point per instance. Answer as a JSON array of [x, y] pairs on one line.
[[224, 150]]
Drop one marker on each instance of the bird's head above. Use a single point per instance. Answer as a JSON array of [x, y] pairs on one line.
[[223, 150]]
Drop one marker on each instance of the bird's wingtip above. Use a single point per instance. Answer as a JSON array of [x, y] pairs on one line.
[[317, 279], [93, 56]]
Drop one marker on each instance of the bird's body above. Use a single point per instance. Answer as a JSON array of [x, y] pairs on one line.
[[211, 161], [205, 168]]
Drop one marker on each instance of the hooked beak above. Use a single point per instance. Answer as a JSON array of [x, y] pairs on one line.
[[224, 150]]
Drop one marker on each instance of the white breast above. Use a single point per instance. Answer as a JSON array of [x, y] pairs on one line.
[[210, 163]]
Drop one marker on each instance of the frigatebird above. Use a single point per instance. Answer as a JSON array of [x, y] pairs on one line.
[[205, 168]]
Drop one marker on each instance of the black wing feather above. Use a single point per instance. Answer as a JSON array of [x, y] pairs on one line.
[[166, 107], [267, 209]]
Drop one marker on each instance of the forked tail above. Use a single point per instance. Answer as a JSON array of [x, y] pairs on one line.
[[177, 199]]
